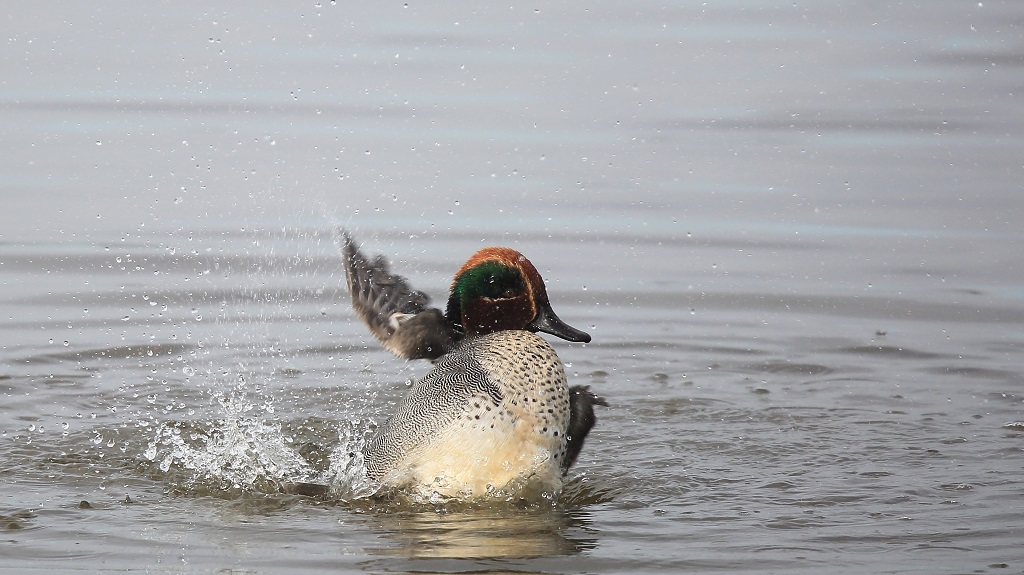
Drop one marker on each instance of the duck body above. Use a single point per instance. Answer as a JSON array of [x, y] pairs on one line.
[[495, 412]]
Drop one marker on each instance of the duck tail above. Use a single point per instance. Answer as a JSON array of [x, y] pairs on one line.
[[581, 420]]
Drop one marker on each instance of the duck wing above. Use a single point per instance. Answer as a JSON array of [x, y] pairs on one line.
[[437, 411], [396, 314]]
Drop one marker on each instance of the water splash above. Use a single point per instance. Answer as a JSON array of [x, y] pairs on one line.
[[245, 443], [240, 450], [346, 475], [243, 451]]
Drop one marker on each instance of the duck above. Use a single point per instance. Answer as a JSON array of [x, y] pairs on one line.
[[495, 414]]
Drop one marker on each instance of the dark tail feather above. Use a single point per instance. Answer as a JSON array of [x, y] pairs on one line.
[[581, 420]]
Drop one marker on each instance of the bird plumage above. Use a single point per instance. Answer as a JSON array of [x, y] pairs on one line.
[[495, 409]]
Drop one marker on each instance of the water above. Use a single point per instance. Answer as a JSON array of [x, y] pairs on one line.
[[791, 230]]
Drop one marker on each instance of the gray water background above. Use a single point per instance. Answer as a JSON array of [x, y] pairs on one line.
[[793, 231]]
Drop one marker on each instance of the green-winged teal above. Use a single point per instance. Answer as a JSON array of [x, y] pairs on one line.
[[495, 411]]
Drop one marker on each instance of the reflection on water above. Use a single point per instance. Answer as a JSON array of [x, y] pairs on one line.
[[481, 533]]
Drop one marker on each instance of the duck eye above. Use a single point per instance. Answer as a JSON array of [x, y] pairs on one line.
[[501, 291]]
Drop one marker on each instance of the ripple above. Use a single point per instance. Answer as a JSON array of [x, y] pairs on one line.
[[889, 351], [785, 367], [119, 352], [971, 371], [17, 519], [781, 485], [875, 474], [956, 487]]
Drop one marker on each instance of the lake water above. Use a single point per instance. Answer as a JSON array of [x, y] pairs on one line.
[[793, 231]]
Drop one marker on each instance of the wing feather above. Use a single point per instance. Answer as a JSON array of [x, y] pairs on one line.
[[397, 315]]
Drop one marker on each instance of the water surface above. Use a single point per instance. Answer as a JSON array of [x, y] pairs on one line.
[[791, 230]]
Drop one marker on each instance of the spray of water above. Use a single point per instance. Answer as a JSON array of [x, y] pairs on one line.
[[242, 442]]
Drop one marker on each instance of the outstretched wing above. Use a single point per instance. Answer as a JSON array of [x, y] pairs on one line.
[[396, 314]]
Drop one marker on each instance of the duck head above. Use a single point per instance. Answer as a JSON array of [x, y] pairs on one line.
[[499, 289]]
